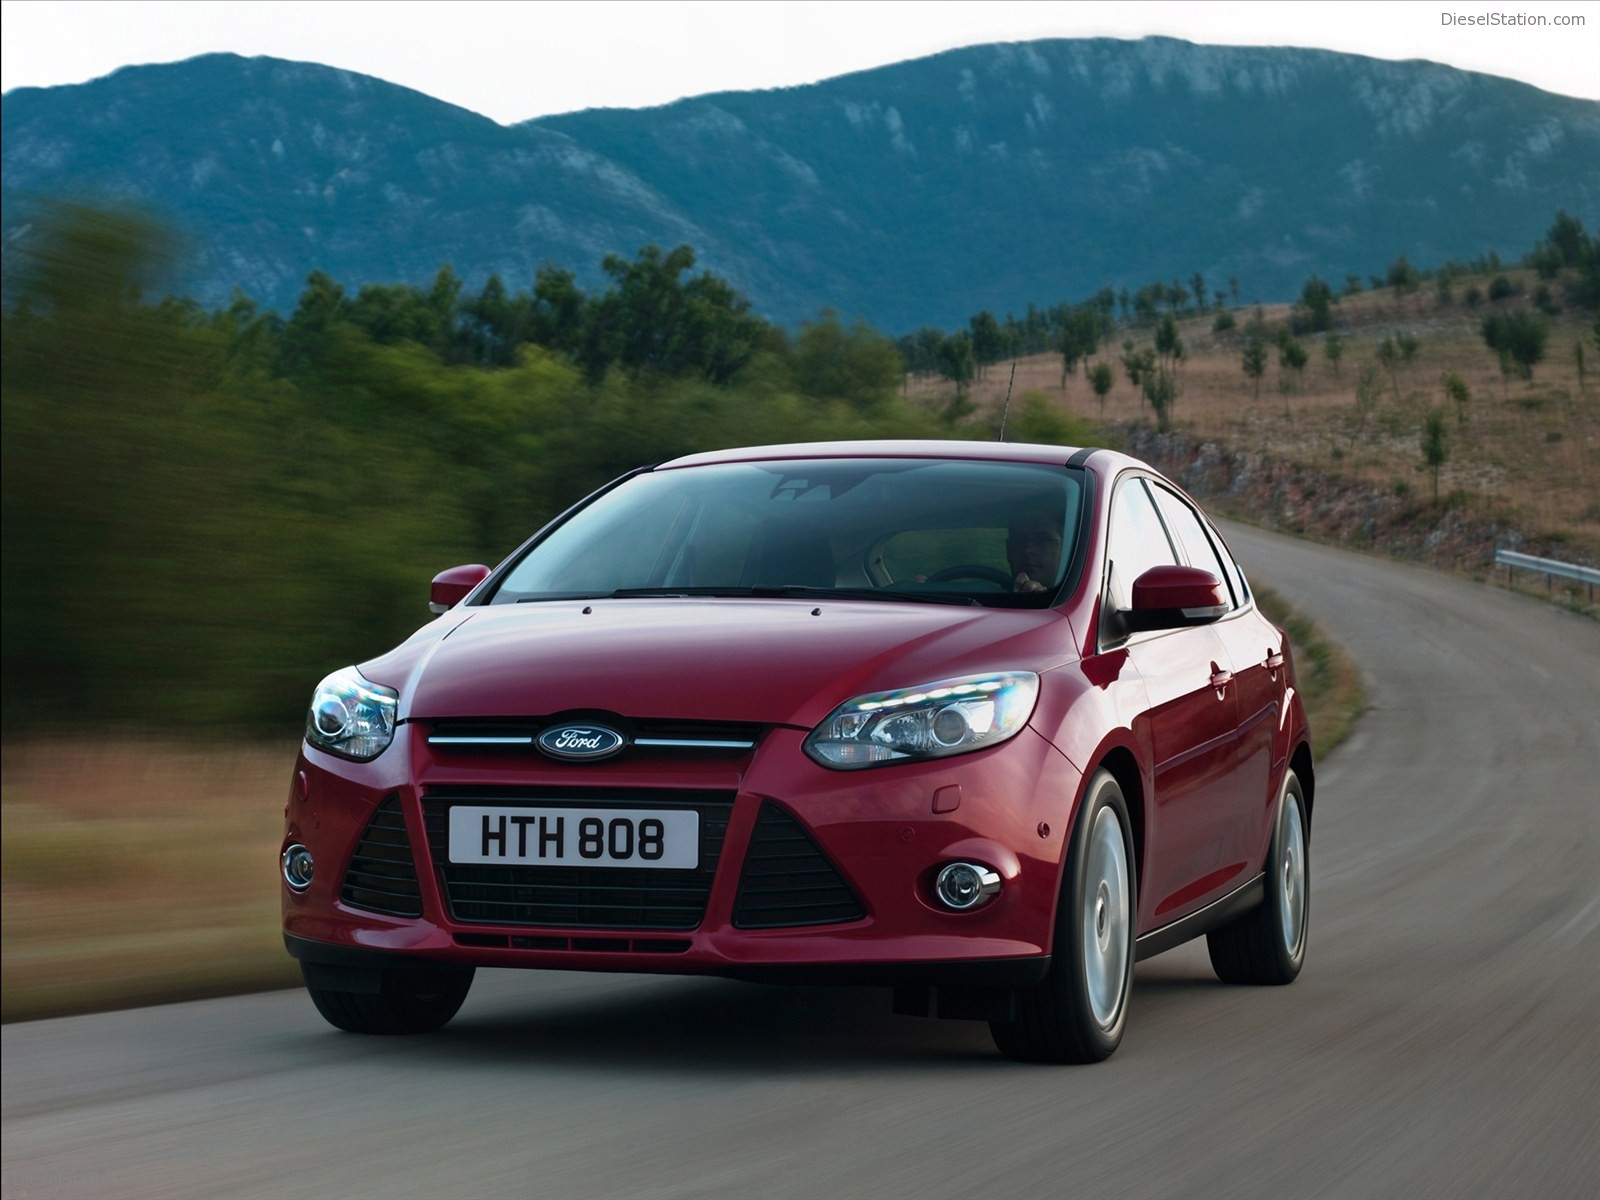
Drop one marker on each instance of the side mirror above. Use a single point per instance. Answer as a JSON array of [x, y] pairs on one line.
[[1174, 598], [450, 587]]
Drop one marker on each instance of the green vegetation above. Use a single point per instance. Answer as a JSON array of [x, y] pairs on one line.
[[1435, 446], [205, 511], [1518, 337]]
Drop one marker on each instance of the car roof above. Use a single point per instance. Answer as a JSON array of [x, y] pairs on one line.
[[1018, 452]]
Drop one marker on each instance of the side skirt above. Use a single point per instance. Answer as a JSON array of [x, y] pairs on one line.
[[1213, 916]]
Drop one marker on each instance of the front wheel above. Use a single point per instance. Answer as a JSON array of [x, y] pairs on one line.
[[407, 1001], [1078, 1012], [1268, 944]]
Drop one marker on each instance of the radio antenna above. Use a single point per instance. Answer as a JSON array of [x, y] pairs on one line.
[[1007, 409]]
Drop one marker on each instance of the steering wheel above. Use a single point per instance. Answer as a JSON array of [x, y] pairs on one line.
[[972, 571]]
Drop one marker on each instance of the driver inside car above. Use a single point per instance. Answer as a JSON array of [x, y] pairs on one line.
[[1033, 548]]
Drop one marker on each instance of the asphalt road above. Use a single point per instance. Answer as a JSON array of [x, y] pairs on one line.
[[1443, 1040]]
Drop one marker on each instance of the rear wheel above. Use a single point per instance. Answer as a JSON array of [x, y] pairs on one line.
[[1268, 944], [407, 1001], [1078, 1012]]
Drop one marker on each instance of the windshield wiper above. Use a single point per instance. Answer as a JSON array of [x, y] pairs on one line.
[[799, 591]]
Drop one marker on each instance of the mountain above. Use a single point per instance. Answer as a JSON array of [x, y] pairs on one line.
[[917, 193]]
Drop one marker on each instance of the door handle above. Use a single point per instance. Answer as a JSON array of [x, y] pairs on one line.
[[1274, 661], [1220, 679]]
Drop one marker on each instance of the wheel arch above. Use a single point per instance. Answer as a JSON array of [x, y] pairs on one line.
[[1300, 763], [1124, 768]]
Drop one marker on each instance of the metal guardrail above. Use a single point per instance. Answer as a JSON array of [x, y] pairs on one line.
[[1550, 568]]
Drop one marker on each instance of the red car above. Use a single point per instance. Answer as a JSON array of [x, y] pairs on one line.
[[984, 723]]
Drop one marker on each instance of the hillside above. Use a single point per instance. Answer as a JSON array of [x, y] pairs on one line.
[[1522, 465], [916, 193]]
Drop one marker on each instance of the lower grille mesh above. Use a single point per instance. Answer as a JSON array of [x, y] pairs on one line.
[[382, 876], [788, 880], [578, 897]]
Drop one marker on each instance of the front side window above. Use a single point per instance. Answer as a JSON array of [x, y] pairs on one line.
[[991, 533], [1136, 543]]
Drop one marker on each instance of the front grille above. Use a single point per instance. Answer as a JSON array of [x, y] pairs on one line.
[[641, 735], [788, 880], [608, 945], [382, 876], [578, 897]]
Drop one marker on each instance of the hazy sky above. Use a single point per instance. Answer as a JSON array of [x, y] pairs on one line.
[[515, 59]]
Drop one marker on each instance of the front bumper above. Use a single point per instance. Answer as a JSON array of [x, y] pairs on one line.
[[885, 832]]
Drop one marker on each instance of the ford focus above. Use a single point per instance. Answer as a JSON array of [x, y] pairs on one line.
[[984, 724]]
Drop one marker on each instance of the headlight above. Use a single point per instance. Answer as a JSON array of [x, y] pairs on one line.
[[351, 716], [952, 716]]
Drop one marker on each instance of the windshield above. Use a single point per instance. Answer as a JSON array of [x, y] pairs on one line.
[[897, 529]]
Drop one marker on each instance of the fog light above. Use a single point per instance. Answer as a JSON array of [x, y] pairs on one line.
[[298, 867], [965, 885]]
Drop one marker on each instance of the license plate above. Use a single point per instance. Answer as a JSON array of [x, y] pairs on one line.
[[575, 837]]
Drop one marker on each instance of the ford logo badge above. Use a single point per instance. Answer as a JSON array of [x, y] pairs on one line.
[[581, 741]]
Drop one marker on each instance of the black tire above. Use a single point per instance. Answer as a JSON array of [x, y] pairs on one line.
[[409, 1001], [1268, 944], [1078, 1012]]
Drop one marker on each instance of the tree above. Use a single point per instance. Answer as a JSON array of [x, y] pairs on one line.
[[1402, 277], [1161, 390], [1389, 355], [955, 360], [1316, 299], [988, 343], [1435, 446], [1408, 347], [556, 315], [1333, 350], [1517, 336], [1080, 335], [1368, 388], [855, 364], [1292, 357], [1197, 285], [1169, 346], [1101, 379], [1567, 239], [1137, 363], [1147, 302], [1458, 393], [1254, 361], [652, 321]]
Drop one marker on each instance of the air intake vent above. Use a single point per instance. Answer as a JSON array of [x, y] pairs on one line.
[[382, 876], [578, 897], [788, 881]]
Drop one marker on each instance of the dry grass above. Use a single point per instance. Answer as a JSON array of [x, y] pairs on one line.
[[136, 873], [1329, 681], [1527, 454]]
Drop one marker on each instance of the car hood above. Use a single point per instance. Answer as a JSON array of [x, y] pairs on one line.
[[769, 661]]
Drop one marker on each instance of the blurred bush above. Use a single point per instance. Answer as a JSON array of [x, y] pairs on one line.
[[206, 511]]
